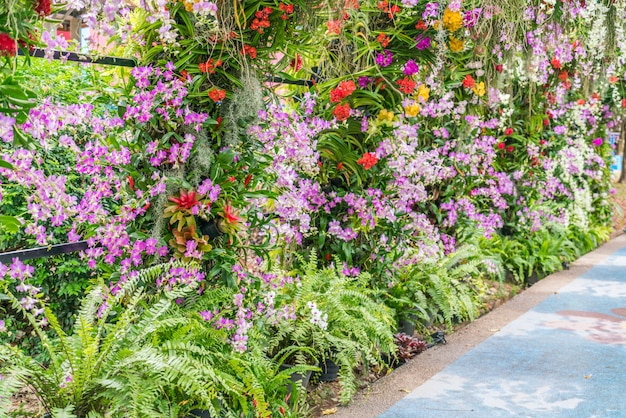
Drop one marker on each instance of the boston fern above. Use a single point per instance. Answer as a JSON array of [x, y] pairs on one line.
[[338, 318], [114, 365], [447, 290]]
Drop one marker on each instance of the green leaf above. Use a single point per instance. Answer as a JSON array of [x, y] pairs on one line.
[[4, 164], [10, 224]]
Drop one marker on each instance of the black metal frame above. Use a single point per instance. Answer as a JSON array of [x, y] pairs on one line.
[[130, 62], [40, 252]]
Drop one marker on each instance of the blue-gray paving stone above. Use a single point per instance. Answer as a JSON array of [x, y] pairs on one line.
[[564, 358]]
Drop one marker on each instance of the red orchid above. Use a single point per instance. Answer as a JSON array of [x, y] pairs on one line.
[[468, 81], [368, 160]]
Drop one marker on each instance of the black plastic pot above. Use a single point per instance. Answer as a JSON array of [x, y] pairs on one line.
[[534, 278], [200, 413], [330, 370], [209, 228], [296, 378], [406, 325]]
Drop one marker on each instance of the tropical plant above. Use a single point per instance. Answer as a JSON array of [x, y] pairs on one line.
[[444, 291], [338, 317], [115, 362]]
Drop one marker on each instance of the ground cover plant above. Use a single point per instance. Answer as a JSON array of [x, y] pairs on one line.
[[432, 147]]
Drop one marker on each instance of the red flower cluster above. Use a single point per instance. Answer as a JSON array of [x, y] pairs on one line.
[[8, 46], [564, 77], [407, 85], [43, 7], [368, 160], [249, 50], [334, 26], [261, 19], [556, 63], [342, 112], [209, 66], [187, 200], [390, 10], [230, 215], [468, 82], [343, 90], [287, 9], [383, 39], [502, 146], [217, 95], [508, 131], [421, 25], [296, 63]]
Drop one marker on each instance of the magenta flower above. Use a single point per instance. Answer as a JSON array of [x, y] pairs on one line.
[[384, 59], [597, 142], [422, 42], [410, 68]]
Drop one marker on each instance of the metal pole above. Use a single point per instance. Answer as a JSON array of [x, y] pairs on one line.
[[52, 250]]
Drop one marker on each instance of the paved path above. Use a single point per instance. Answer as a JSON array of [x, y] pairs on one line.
[[565, 357]]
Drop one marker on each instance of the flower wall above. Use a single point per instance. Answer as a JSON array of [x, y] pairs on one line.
[[439, 144]]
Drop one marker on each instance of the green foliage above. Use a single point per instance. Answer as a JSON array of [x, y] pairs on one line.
[[115, 364], [444, 291], [358, 328]]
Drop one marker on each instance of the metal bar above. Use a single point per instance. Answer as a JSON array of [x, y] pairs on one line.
[[127, 62], [84, 58], [274, 79], [31, 253]]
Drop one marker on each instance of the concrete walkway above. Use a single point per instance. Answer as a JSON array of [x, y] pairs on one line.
[[556, 350]]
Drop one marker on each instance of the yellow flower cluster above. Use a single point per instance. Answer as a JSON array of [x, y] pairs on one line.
[[456, 45], [423, 93], [479, 89], [188, 4], [452, 20], [385, 116], [412, 110]]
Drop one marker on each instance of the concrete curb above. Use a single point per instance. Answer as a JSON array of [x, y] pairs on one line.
[[382, 394]]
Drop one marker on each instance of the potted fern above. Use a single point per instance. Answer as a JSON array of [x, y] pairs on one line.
[[338, 318]]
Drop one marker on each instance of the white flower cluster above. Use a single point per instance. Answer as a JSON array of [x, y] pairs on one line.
[[317, 317]]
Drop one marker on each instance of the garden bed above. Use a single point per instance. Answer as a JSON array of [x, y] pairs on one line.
[[416, 165]]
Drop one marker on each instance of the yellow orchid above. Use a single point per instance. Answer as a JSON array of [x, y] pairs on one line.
[[456, 45], [479, 89], [385, 116], [452, 20], [423, 93], [412, 110]]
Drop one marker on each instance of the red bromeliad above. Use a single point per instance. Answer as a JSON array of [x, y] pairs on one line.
[[230, 215], [187, 200]]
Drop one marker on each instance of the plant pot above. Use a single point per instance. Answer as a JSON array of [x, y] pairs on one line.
[[393, 362], [199, 413], [406, 325], [296, 378], [329, 372], [532, 279], [209, 228]]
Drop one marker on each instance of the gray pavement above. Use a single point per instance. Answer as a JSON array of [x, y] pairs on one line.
[[556, 350]]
